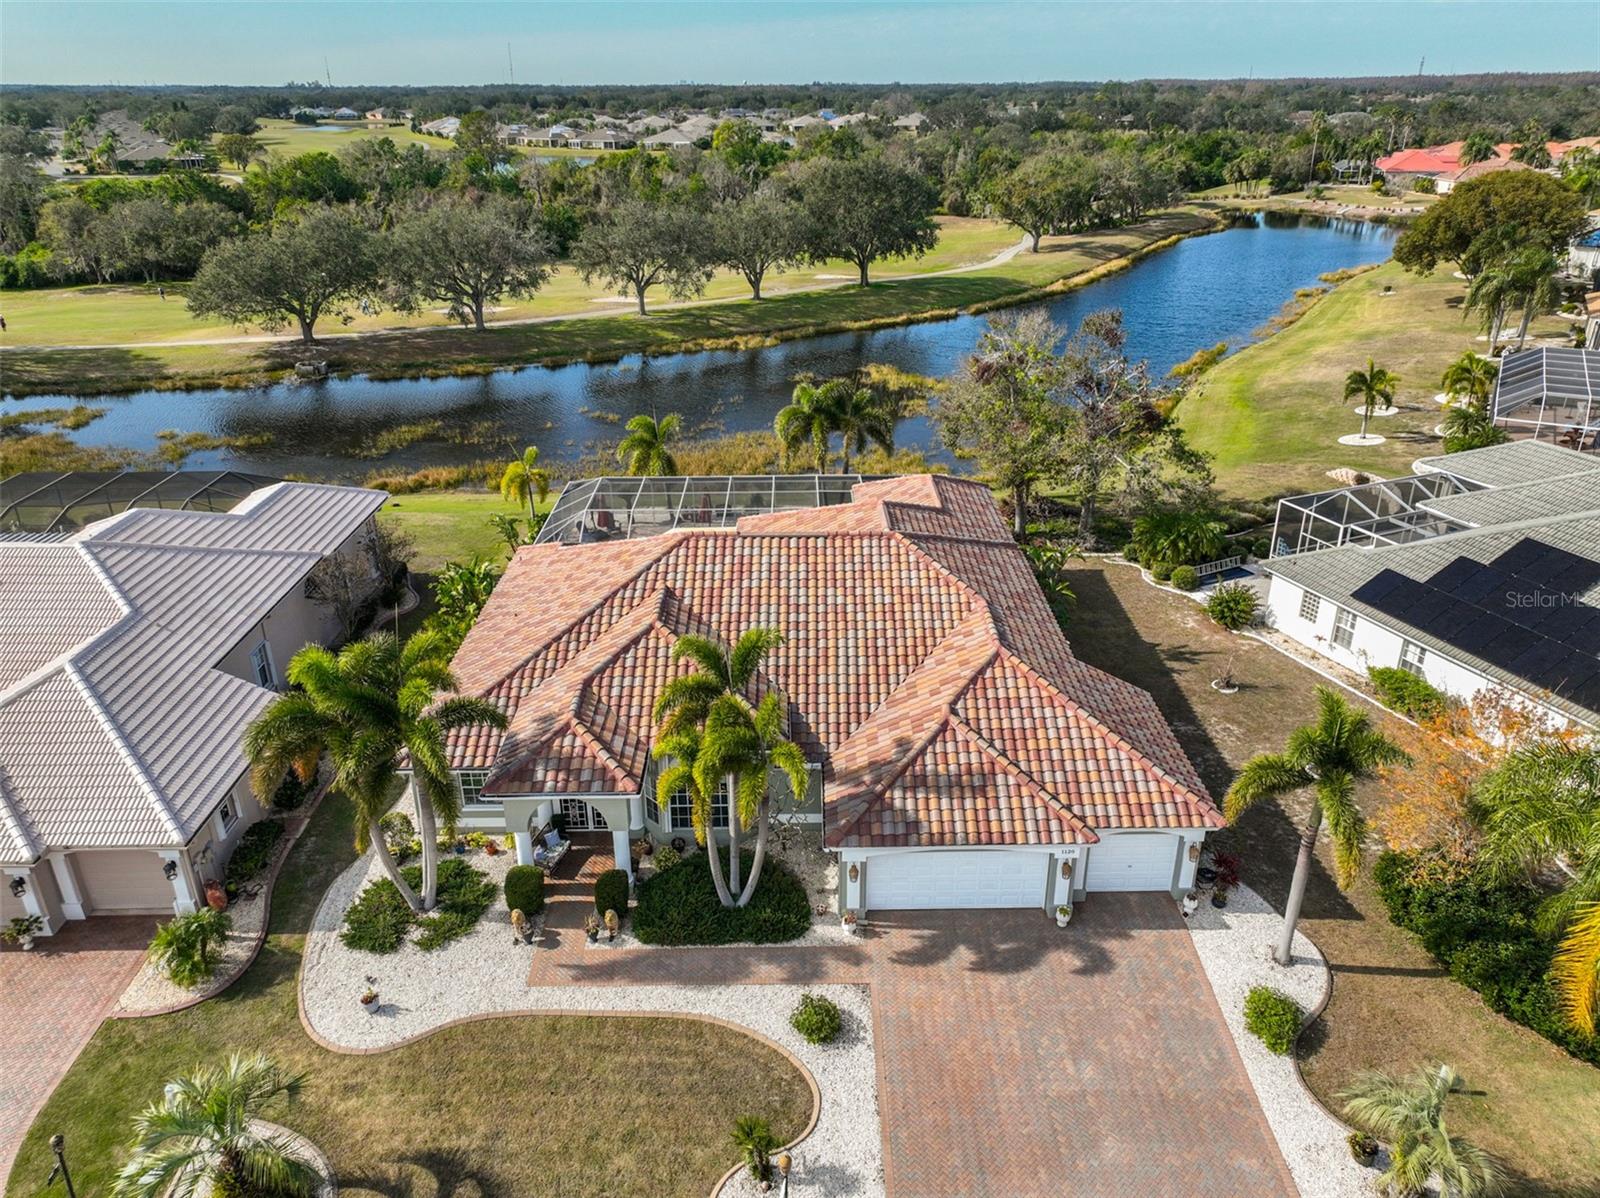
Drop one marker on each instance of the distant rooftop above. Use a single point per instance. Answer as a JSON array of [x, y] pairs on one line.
[[49, 505], [610, 508]]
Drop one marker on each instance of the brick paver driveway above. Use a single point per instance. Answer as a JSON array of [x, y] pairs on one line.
[[1015, 1060], [52, 1000]]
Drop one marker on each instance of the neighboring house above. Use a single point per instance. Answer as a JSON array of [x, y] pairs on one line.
[[133, 654], [961, 755], [646, 125], [601, 139], [1583, 258], [913, 121], [668, 139], [1550, 392], [447, 126], [804, 122], [1446, 182], [1479, 573], [134, 143], [346, 114]]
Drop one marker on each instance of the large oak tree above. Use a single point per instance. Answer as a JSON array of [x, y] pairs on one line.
[[863, 209], [467, 254]]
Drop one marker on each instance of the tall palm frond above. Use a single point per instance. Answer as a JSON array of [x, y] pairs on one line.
[[808, 418], [1409, 1114], [524, 481], [645, 449]]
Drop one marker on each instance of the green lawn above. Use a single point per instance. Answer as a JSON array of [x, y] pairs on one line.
[[526, 1105], [291, 138], [451, 526], [1271, 415], [1064, 261]]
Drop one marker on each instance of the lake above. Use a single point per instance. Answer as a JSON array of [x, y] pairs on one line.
[[1219, 287]]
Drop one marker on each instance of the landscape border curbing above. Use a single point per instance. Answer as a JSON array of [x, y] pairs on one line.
[[304, 814]]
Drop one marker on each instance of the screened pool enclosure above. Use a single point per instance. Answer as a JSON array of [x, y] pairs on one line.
[[1385, 512], [601, 509], [48, 505], [1551, 393]]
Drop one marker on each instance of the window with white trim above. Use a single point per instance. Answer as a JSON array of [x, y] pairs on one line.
[[1344, 628], [1411, 658], [469, 785], [227, 814], [1310, 607], [680, 809], [719, 806], [261, 664], [652, 809]]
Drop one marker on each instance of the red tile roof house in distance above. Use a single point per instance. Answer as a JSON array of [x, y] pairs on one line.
[[133, 654], [961, 755]]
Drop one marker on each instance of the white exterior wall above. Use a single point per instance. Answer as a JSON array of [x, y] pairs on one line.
[[1373, 644]]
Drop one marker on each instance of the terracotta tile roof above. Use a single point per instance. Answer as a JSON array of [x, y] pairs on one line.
[[922, 667]]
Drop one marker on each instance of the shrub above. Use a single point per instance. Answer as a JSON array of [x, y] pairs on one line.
[[525, 889], [1406, 693], [816, 1018], [1485, 932], [1185, 578], [1273, 1018], [291, 793], [400, 835], [665, 858], [252, 854], [753, 1136], [679, 906], [379, 919], [182, 947], [1233, 605], [1130, 551], [1161, 571], [611, 892]]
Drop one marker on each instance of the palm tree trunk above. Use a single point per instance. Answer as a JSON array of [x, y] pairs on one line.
[[733, 834], [1284, 953], [1494, 327], [724, 895], [380, 847], [428, 827], [749, 891], [1522, 329], [1366, 414]]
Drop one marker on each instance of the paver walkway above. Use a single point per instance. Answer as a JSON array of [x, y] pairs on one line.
[[51, 1001], [1014, 1059]]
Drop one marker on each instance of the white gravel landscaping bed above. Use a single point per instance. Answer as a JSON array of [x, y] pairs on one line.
[[1235, 949], [485, 972], [151, 990]]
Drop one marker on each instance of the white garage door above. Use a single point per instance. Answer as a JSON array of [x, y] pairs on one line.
[[958, 878], [1133, 861], [124, 880]]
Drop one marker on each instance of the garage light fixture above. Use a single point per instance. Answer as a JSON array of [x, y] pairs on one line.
[[855, 872], [19, 887], [170, 869], [1194, 850]]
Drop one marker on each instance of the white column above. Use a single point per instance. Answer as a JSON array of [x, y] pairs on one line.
[[546, 811], [524, 847], [636, 812], [67, 882], [852, 894], [32, 900], [183, 900], [619, 850], [1186, 867]]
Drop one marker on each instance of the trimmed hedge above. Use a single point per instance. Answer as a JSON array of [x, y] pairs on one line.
[[611, 892], [679, 906], [1485, 933], [1161, 571], [816, 1018], [525, 889], [252, 854], [1272, 1017], [377, 922], [1404, 692], [1185, 578]]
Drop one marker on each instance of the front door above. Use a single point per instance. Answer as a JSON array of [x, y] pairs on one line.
[[581, 817]]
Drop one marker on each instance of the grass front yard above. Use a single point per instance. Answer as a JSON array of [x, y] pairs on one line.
[[1392, 1007], [1271, 415], [531, 1105]]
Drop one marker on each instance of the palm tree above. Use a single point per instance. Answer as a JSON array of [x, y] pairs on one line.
[[1370, 386], [1477, 147], [203, 1136], [1408, 1113], [1471, 377], [1319, 121], [1180, 536], [524, 480], [1491, 293], [364, 707], [1538, 290], [860, 414], [680, 749], [644, 449], [1328, 757], [736, 740], [808, 417], [1469, 426], [1541, 807]]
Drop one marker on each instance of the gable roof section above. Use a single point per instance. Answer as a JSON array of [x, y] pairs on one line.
[[922, 667], [116, 727]]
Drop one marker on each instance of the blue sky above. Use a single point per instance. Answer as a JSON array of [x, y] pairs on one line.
[[464, 41]]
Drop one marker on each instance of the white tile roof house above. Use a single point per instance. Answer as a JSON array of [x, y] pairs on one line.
[[133, 654]]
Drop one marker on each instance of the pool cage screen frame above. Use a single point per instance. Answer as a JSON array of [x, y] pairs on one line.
[[1386, 512]]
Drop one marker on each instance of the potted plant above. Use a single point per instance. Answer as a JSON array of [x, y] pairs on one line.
[[848, 922], [21, 931], [612, 924], [1219, 896], [216, 895], [369, 1000], [591, 927], [1363, 1148], [461, 846], [1191, 904], [491, 846], [1063, 915], [1227, 871]]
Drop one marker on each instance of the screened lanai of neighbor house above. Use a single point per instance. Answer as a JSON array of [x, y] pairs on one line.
[[1551, 393]]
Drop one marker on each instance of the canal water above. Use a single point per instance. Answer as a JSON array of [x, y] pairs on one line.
[[1219, 287]]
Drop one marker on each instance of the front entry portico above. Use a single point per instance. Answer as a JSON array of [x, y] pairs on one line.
[[622, 815]]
